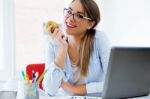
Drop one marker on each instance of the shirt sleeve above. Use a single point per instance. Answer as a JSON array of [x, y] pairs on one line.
[[94, 87], [54, 74], [104, 47], [52, 79]]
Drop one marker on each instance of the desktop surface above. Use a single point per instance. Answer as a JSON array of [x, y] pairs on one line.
[[84, 97], [8, 94]]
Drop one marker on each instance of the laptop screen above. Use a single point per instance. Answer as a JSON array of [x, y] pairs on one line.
[[128, 73]]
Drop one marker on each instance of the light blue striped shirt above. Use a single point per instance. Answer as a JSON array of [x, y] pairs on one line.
[[97, 67]]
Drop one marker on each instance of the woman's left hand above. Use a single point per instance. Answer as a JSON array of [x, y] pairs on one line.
[[67, 86]]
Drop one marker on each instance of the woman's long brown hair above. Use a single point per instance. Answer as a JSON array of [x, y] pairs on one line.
[[86, 48]]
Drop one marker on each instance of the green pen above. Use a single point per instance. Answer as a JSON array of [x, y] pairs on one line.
[[23, 75]]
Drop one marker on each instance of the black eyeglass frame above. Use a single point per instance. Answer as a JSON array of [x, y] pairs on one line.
[[83, 17]]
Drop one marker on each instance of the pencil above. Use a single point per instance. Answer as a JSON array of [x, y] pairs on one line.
[[41, 77]]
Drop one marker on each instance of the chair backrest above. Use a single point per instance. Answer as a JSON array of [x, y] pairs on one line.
[[38, 67]]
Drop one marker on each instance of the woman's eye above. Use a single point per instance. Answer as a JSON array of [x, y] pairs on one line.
[[80, 16]]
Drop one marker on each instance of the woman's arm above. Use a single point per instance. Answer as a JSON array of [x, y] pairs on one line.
[[93, 87], [55, 59], [62, 46], [74, 89]]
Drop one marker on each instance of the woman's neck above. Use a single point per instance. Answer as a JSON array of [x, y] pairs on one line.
[[74, 42], [73, 48]]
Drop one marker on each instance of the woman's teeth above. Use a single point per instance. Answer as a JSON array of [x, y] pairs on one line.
[[71, 26]]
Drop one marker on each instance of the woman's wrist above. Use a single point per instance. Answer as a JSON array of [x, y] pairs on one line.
[[74, 89]]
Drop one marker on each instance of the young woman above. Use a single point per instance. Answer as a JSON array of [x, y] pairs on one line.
[[78, 65]]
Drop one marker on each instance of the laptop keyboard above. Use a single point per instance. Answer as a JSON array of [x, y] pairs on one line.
[[83, 97]]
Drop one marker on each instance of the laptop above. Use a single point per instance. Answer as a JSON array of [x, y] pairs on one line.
[[8, 94], [128, 73]]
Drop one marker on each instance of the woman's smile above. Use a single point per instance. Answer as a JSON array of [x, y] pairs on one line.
[[70, 25]]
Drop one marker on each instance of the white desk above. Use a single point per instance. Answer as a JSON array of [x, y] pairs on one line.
[[69, 97], [82, 97]]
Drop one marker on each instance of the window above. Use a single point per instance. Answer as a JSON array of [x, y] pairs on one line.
[[1, 36], [6, 40]]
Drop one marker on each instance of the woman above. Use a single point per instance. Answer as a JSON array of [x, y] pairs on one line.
[[78, 65]]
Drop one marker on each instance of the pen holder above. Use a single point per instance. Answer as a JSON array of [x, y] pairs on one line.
[[31, 91], [27, 91]]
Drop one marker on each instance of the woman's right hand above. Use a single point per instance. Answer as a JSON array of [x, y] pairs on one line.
[[59, 38]]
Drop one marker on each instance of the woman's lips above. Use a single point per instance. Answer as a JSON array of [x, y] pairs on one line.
[[70, 25]]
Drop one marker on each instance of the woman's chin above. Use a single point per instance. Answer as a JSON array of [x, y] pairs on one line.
[[68, 32]]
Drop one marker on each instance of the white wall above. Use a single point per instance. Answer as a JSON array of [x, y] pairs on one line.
[[127, 22], [29, 18]]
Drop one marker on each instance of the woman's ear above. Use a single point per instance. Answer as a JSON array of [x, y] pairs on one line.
[[91, 24]]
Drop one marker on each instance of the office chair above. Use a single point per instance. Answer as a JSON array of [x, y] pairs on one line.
[[38, 67]]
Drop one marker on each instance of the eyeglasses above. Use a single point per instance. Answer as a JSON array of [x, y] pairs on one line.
[[76, 16]]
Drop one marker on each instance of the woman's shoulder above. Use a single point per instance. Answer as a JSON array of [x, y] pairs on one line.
[[100, 34], [101, 37]]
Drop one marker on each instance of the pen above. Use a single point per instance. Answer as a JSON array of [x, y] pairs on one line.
[[34, 83], [41, 77], [23, 75], [27, 79], [33, 77]]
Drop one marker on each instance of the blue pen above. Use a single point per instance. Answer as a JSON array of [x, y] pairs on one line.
[[34, 78], [34, 83]]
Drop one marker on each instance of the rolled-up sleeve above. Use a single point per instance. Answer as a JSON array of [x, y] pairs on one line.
[[94, 87], [52, 79]]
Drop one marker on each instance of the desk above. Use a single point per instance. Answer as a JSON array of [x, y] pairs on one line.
[[7, 95], [82, 97], [69, 97]]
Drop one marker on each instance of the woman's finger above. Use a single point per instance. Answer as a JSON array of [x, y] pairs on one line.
[[49, 31], [55, 33]]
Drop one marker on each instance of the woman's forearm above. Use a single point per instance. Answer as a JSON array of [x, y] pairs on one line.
[[74, 89], [61, 57]]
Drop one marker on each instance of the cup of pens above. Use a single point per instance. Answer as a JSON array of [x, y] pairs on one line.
[[31, 91], [27, 89]]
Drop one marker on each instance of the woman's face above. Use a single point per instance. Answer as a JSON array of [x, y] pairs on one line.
[[74, 23]]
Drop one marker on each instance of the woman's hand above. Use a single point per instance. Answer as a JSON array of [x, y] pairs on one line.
[[66, 86], [73, 89], [58, 37]]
